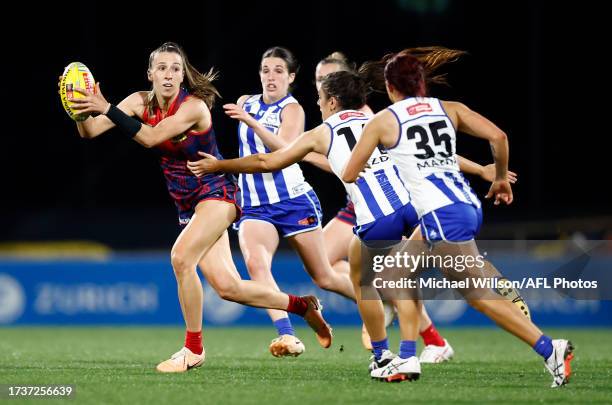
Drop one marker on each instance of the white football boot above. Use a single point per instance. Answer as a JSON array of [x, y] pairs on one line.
[[181, 361], [437, 354], [286, 345], [385, 358], [558, 364], [398, 370]]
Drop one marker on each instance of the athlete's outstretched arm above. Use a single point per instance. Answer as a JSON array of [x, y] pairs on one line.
[[474, 124], [486, 172], [377, 131], [292, 124], [319, 160], [193, 111], [264, 162]]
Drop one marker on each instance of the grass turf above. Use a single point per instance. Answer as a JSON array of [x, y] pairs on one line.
[[117, 365]]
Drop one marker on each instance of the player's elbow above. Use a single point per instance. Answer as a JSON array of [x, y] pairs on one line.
[[348, 177], [266, 164], [499, 137]]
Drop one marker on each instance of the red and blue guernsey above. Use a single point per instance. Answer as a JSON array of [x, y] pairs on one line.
[[184, 187]]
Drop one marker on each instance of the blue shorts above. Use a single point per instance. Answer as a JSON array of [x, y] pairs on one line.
[[289, 217], [457, 222], [389, 228]]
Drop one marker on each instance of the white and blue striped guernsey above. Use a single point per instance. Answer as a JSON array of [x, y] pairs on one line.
[[380, 192], [425, 153], [267, 188]]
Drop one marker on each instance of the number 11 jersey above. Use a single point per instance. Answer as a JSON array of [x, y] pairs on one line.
[[380, 192]]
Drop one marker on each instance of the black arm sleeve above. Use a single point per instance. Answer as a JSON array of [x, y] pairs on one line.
[[124, 122]]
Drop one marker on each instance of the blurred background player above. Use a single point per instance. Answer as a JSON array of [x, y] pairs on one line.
[[176, 112], [279, 203], [419, 134]]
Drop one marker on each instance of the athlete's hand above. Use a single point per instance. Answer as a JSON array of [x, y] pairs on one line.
[[502, 191], [238, 113], [488, 174], [93, 102], [362, 173], [203, 166]]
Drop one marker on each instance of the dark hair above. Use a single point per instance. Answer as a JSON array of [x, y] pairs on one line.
[[409, 71], [339, 59], [347, 87], [283, 53], [198, 84]]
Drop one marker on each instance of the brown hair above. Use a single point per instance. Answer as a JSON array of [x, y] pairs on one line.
[[347, 87], [284, 54], [198, 84], [409, 71]]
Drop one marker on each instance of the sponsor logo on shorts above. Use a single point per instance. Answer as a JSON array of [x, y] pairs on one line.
[[311, 220], [299, 189], [419, 108]]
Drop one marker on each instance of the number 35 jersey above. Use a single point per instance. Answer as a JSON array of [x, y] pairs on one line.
[[380, 192], [425, 153]]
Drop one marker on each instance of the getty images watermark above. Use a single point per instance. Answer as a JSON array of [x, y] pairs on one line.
[[485, 269]]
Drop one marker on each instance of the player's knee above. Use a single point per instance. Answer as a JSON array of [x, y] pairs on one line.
[[180, 263], [257, 267], [326, 282], [229, 290]]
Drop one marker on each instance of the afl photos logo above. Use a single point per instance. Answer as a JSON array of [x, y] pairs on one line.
[[12, 299]]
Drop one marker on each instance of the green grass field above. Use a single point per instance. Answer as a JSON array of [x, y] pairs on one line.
[[117, 365]]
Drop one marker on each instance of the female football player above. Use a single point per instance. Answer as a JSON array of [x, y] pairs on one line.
[[280, 203], [177, 122]]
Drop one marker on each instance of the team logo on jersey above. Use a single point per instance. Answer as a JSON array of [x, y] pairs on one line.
[[419, 108], [311, 220], [350, 114], [271, 120]]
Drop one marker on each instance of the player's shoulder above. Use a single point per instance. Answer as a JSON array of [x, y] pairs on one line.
[[135, 103], [385, 115], [454, 110], [242, 99], [292, 110], [453, 106], [138, 98]]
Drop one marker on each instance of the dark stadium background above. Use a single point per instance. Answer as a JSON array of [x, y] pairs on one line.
[[533, 68]]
